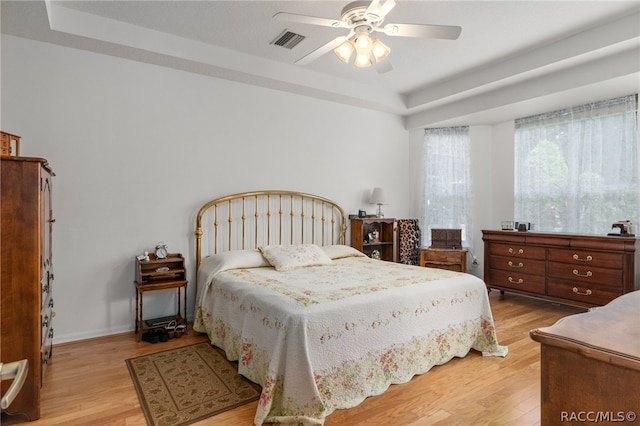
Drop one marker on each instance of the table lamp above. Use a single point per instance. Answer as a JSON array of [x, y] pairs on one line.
[[378, 197]]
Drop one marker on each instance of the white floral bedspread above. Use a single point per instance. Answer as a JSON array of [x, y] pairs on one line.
[[326, 337]]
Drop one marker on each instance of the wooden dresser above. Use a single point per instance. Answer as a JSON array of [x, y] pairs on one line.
[[580, 270], [590, 365], [26, 268]]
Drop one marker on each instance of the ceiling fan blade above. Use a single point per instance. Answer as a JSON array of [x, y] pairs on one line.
[[373, 7], [448, 32], [310, 57], [384, 66], [380, 10], [312, 20]]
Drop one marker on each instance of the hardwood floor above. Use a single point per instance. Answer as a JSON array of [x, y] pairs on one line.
[[87, 383]]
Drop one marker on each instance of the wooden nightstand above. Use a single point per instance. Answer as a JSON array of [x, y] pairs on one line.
[[451, 259], [160, 274]]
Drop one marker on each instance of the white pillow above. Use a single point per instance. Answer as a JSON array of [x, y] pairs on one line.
[[339, 251], [286, 258], [234, 259]]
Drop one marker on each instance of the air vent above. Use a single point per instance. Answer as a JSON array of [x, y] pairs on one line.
[[288, 39]]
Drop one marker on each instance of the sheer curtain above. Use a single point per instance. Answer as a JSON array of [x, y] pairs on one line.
[[576, 170], [447, 183]]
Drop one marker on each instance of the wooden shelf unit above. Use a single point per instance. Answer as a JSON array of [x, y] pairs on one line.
[[9, 144], [386, 242], [148, 277]]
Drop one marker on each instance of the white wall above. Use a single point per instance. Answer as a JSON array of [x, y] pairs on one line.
[[138, 148], [483, 192]]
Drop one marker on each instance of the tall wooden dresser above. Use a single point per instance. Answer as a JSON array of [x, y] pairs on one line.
[[580, 270], [590, 365], [26, 270]]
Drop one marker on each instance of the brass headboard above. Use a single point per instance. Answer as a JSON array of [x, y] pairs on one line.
[[250, 219]]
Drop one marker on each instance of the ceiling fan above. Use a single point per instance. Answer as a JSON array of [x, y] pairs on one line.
[[362, 18]]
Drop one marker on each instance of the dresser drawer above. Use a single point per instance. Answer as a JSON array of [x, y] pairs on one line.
[[518, 265], [46, 319], [586, 275], [517, 281], [445, 256], [587, 258], [45, 289], [585, 293], [517, 250], [457, 267], [46, 351]]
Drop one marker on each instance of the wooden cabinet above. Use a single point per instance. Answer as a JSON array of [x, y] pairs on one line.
[[26, 309], [363, 233], [160, 274], [450, 259], [581, 270], [590, 365]]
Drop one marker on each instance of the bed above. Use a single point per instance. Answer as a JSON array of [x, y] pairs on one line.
[[317, 324]]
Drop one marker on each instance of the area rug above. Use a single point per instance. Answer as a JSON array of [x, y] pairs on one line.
[[184, 385]]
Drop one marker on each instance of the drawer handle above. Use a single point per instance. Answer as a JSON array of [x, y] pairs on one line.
[[586, 293], [520, 251], [578, 274], [588, 259], [519, 265], [512, 281], [17, 371]]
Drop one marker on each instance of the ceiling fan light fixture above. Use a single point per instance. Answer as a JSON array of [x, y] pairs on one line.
[[379, 50], [362, 60], [344, 51], [367, 49], [363, 41]]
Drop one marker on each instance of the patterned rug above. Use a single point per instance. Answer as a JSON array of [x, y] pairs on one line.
[[184, 385]]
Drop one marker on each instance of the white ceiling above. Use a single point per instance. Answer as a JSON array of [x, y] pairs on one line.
[[510, 57]]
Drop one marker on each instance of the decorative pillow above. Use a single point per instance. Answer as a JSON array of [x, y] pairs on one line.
[[339, 251], [286, 258]]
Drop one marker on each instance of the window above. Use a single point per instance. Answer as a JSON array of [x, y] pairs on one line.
[[576, 170], [447, 183]]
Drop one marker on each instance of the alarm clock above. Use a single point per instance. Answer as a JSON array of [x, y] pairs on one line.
[[161, 251]]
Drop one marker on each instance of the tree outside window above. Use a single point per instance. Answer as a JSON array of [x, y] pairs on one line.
[[577, 170]]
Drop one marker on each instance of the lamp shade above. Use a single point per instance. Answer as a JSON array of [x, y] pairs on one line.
[[380, 50], [377, 196], [344, 51]]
